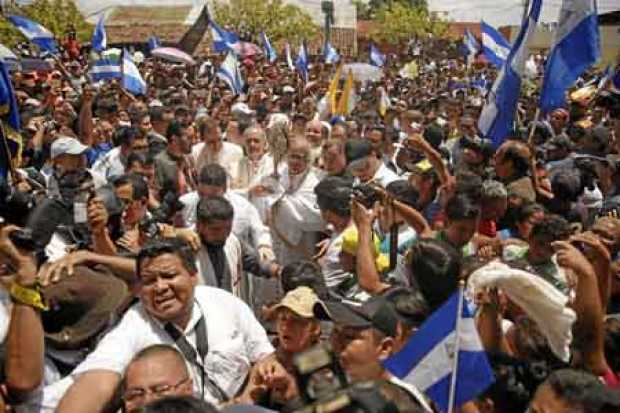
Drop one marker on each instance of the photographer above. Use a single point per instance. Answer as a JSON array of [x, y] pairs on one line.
[[363, 336]]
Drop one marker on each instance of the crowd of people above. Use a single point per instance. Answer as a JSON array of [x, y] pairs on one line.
[[192, 250]]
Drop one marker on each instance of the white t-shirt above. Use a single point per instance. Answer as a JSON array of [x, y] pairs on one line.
[[236, 341]]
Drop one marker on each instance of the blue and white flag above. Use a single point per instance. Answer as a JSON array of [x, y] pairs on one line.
[[330, 54], [223, 40], [270, 52], [289, 58], [132, 79], [576, 47], [301, 63], [230, 73], [105, 69], [470, 46], [376, 57], [108, 66], [494, 45], [154, 42], [35, 33], [100, 39], [427, 360], [497, 116]]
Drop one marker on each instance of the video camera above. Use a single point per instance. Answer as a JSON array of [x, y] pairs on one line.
[[324, 387]]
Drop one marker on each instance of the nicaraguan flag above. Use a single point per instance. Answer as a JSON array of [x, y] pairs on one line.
[[576, 47], [9, 111], [330, 54], [301, 63], [230, 72], [494, 46], [100, 39], [376, 57], [108, 66], [270, 52], [289, 58], [105, 69], [132, 79], [427, 360], [154, 42], [497, 116], [223, 40], [35, 33], [470, 46]]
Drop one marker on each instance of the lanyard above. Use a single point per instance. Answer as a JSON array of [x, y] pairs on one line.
[[197, 358]]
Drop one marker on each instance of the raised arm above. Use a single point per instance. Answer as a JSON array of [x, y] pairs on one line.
[[417, 143], [25, 340], [587, 305], [367, 274], [86, 126]]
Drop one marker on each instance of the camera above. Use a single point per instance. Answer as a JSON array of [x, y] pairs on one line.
[[168, 207], [318, 373], [148, 228], [366, 194], [23, 239]]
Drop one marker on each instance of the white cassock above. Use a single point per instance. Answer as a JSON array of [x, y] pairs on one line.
[[294, 216]]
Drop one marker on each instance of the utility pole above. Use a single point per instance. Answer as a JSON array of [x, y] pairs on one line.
[[327, 7]]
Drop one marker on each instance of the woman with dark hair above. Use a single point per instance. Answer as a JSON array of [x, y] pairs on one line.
[[435, 267]]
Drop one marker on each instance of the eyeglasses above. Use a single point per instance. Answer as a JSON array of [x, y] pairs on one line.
[[137, 395]]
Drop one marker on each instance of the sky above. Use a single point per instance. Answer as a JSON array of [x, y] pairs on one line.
[[494, 12]]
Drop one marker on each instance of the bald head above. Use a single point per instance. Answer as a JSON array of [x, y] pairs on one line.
[[298, 155], [157, 366]]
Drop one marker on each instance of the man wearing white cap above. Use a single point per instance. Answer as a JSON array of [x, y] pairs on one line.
[[57, 210]]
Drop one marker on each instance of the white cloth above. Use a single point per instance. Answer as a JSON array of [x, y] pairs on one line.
[[229, 158], [109, 165], [540, 300], [295, 216], [236, 341], [247, 224], [385, 176], [234, 259]]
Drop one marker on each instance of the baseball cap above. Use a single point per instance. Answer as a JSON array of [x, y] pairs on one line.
[[301, 301], [67, 146], [241, 109], [375, 313], [288, 89]]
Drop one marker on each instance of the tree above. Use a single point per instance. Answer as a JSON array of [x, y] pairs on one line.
[[367, 9], [55, 15], [282, 22], [399, 22]]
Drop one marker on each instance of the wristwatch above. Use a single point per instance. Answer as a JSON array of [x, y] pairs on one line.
[[30, 296]]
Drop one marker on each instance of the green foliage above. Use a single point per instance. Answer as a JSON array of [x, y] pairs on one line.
[[399, 21], [367, 9], [281, 22], [56, 15]]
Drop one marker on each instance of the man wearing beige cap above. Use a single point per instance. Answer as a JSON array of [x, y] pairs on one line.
[[296, 326]]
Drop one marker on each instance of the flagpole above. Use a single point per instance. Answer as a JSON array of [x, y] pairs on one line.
[[530, 136], [457, 342]]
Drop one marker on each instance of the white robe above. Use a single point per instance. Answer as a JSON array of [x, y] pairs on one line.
[[294, 217]]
